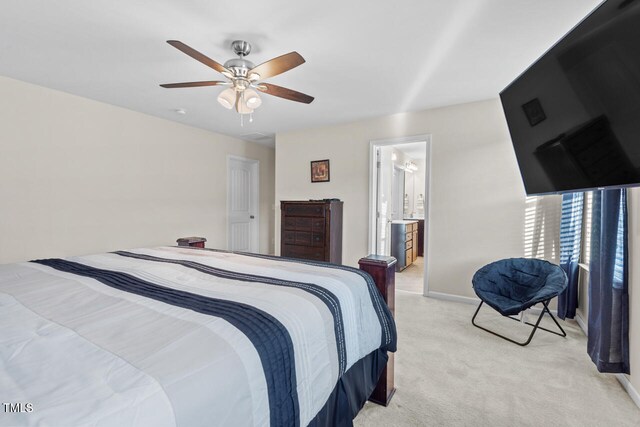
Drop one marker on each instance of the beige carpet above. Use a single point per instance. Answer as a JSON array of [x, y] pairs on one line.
[[449, 373], [411, 279]]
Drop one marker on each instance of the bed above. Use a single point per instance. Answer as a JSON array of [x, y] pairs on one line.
[[174, 336]]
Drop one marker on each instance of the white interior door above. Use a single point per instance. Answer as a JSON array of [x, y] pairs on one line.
[[242, 204], [384, 201]]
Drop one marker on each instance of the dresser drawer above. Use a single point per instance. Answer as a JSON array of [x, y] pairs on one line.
[[408, 244], [304, 210], [317, 239], [303, 238], [290, 223], [289, 237], [303, 252], [298, 223], [317, 224], [409, 256], [303, 223]]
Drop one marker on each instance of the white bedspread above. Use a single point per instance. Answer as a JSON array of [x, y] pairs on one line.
[[83, 353]]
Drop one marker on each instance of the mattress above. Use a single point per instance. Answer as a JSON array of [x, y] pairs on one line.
[[182, 337]]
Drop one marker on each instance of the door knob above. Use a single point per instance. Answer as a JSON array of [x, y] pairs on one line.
[[251, 216]]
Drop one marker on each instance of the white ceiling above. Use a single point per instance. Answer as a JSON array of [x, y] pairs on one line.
[[364, 58]]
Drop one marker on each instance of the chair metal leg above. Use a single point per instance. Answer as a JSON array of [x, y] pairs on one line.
[[536, 326], [562, 333], [546, 306]]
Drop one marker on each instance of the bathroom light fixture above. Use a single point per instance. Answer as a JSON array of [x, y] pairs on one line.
[[410, 166]]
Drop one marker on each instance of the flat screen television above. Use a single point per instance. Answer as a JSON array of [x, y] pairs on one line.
[[574, 115]]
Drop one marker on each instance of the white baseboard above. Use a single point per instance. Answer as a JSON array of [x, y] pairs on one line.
[[471, 300], [582, 323], [626, 384], [454, 298]]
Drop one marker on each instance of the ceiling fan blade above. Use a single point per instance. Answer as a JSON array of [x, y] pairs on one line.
[[193, 84], [198, 56], [276, 66], [285, 93]]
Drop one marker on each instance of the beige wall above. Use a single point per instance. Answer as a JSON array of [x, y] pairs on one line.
[[477, 196], [79, 176]]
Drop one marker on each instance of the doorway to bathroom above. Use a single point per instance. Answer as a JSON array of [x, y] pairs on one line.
[[399, 207]]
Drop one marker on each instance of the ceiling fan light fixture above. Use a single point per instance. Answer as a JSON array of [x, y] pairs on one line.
[[240, 84], [243, 77], [243, 108], [227, 98], [252, 99]]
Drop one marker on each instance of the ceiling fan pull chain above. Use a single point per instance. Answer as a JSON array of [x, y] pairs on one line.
[[242, 104], [244, 101]]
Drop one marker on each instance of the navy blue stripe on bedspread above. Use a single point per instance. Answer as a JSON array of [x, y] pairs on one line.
[[389, 339], [270, 338], [327, 297]]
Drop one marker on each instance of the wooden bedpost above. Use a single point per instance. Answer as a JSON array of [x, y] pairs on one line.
[[383, 271]]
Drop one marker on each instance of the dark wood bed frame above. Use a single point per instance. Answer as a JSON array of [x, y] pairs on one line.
[[383, 271]]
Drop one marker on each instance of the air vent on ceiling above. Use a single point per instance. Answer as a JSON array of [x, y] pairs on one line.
[[258, 137]]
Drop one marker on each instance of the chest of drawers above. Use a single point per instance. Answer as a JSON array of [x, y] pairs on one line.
[[311, 230]]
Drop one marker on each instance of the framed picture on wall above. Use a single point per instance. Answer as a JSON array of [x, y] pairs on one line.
[[320, 171]]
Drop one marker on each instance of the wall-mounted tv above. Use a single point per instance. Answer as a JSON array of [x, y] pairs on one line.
[[574, 115]]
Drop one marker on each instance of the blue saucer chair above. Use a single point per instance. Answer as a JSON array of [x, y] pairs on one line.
[[512, 285]]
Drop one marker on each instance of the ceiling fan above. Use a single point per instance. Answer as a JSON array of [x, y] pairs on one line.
[[244, 77]]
